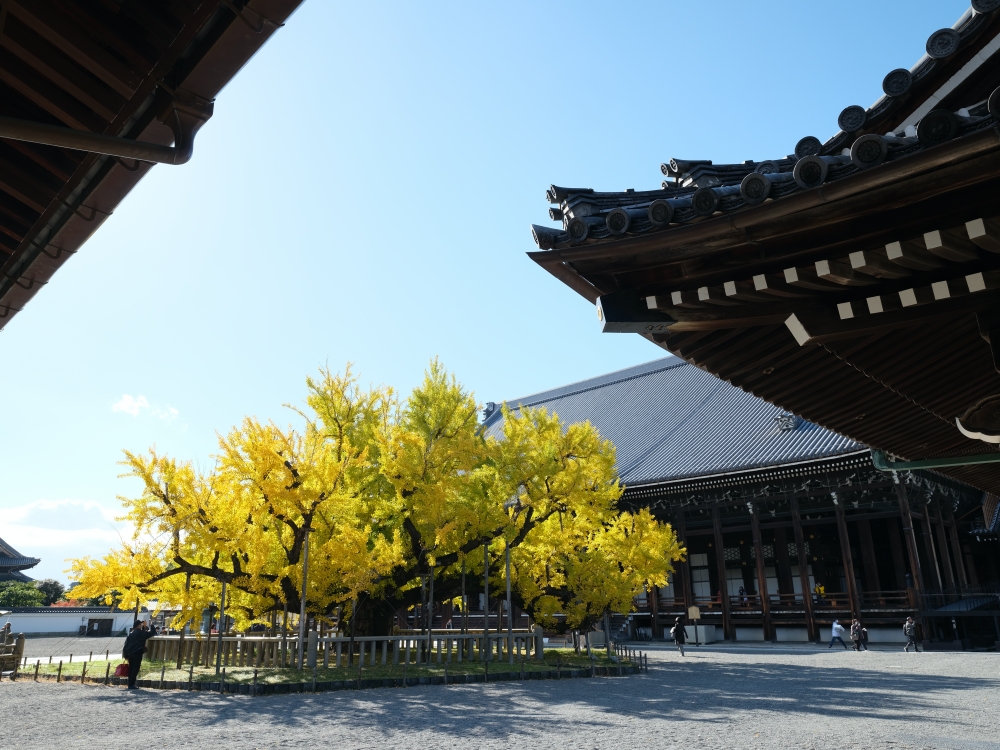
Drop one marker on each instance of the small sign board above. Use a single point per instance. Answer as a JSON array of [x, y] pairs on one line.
[[694, 613]]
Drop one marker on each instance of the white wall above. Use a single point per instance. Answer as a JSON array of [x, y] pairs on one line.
[[63, 622]]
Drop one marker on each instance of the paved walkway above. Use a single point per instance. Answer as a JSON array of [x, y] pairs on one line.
[[719, 698]]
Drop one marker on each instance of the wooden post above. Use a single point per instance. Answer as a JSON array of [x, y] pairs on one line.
[[868, 555], [896, 547], [956, 548], [720, 558], [949, 575], [845, 552], [682, 577], [800, 550], [929, 547], [783, 564], [765, 602], [909, 535]]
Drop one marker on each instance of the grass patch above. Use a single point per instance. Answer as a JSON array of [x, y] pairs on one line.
[[554, 659]]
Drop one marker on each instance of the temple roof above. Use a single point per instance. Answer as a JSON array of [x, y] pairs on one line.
[[904, 121], [11, 559], [670, 420]]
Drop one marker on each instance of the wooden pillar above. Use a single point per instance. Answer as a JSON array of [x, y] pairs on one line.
[[845, 552], [872, 582], [800, 549], [909, 535], [720, 559], [929, 547], [956, 548], [765, 602], [942, 542], [896, 547], [783, 564], [682, 577]]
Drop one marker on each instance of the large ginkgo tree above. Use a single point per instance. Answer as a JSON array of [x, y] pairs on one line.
[[389, 492]]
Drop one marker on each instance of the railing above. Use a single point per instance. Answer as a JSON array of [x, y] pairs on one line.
[[962, 597], [885, 599], [278, 651]]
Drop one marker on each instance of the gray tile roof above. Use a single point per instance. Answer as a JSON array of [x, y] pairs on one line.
[[695, 189], [669, 420]]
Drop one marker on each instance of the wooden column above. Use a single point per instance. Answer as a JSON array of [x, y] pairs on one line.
[[896, 547], [929, 547], [909, 535], [942, 542], [956, 548], [783, 564], [682, 578], [765, 602], [845, 552], [800, 549], [868, 555], [720, 559]]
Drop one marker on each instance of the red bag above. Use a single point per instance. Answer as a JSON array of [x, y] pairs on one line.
[[122, 670]]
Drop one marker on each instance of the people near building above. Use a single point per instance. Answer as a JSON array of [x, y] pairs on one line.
[[135, 647], [820, 590], [858, 636], [837, 634], [679, 634], [910, 631]]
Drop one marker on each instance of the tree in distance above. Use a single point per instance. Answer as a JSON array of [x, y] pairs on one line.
[[389, 491], [20, 594], [51, 589]]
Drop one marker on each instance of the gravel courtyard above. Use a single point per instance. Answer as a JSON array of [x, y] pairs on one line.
[[755, 697]]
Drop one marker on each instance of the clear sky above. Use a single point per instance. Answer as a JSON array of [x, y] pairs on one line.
[[364, 193]]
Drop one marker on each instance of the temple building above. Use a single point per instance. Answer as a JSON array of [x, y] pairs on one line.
[[768, 502], [13, 562], [854, 282]]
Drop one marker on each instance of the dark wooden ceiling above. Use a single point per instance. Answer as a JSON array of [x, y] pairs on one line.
[[98, 66]]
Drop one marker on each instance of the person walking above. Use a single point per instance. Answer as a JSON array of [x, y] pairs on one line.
[[679, 634], [135, 647], [910, 631], [858, 636], [837, 633]]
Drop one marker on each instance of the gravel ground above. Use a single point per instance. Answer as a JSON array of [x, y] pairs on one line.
[[723, 697]]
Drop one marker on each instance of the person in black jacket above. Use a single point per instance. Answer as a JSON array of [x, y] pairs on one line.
[[135, 647], [679, 634]]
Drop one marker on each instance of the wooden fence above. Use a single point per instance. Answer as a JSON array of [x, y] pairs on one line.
[[261, 651]]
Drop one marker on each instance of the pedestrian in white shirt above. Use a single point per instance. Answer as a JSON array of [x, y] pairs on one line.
[[837, 633]]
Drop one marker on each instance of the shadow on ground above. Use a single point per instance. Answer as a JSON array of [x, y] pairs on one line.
[[693, 689]]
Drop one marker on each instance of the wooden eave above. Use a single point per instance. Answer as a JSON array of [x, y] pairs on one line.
[[96, 66], [894, 379]]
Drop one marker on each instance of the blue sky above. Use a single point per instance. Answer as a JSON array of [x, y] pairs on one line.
[[364, 193]]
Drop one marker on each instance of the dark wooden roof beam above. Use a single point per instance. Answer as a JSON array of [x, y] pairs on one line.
[[53, 25], [61, 70], [716, 295], [913, 256], [985, 233], [817, 326], [950, 245], [876, 263], [777, 286], [806, 277], [840, 272], [39, 90], [745, 292]]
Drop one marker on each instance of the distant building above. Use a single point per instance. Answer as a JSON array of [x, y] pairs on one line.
[[767, 502], [13, 562]]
